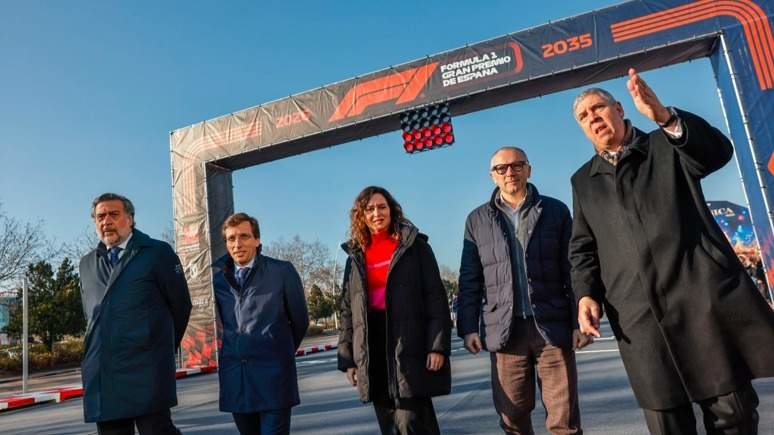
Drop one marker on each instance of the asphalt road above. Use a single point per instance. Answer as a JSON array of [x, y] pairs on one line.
[[330, 406]]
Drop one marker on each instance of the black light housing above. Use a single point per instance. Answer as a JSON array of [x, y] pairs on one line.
[[427, 128]]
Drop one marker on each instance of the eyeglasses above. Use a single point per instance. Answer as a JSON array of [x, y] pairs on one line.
[[515, 167]]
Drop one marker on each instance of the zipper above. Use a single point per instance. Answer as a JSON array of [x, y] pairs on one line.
[[397, 255], [504, 231], [526, 296]]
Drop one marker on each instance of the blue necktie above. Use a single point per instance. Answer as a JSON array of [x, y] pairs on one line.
[[113, 255], [241, 275]]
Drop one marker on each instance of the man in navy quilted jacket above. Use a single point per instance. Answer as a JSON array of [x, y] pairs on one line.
[[515, 298]]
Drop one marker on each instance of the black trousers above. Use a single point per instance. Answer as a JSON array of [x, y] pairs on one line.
[[395, 416], [730, 414], [159, 423], [274, 422]]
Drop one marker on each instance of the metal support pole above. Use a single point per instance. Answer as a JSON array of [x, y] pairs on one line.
[[333, 288], [25, 336]]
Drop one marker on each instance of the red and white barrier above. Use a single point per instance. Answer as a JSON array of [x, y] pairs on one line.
[[314, 349], [182, 373], [59, 394], [68, 392], [53, 395]]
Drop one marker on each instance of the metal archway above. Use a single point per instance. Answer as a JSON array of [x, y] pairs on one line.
[[735, 34]]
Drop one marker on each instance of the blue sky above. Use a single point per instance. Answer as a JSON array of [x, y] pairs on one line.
[[90, 90]]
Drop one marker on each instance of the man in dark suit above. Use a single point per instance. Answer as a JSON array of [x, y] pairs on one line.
[[136, 301], [689, 322], [262, 310]]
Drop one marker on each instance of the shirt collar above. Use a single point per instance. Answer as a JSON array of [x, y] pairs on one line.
[[627, 140], [503, 205], [237, 267], [123, 244]]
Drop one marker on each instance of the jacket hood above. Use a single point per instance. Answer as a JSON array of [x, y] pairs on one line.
[[408, 234]]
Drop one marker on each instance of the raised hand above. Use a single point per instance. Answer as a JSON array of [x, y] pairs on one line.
[[645, 100]]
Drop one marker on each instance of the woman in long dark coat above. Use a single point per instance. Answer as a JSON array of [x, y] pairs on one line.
[[395, 337]]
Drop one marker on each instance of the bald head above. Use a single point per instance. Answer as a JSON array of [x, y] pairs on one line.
[[510, 170], [507, 149]]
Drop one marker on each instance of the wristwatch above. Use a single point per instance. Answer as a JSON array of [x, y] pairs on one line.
[[671, 120]]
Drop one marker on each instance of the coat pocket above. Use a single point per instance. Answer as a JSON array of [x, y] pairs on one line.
[[489, 313], [130, 328]]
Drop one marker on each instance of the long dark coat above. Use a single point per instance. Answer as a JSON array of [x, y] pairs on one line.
[[418, 320], [689, 322], [263, 324], [137, 313]]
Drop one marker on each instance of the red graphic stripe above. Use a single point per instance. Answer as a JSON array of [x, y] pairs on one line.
[[517, 56], [417, 83], [404, 86], [756, 35], [753, 19]]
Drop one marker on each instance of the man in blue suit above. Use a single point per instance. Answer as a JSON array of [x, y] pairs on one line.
[[262, 310], [136, 302]]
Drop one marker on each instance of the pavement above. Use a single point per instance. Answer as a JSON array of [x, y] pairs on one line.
[[329, 405], [62, 384]]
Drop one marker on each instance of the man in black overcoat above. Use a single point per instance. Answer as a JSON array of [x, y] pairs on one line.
[[136, 302], [690, 325]]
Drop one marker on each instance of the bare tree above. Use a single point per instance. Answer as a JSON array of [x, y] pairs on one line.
[[20, 245], [82, 244], [312, 260], [448, 274]]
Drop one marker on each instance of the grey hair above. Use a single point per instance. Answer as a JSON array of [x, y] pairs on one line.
[[592, 91], [508, 148], [128, 206]]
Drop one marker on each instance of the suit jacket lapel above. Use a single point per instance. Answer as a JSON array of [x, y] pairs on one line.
[[131, 251]]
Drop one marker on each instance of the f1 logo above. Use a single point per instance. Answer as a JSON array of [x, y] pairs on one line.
[[403, 86]]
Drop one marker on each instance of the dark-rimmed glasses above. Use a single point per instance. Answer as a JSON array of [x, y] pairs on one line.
[[517, 166]]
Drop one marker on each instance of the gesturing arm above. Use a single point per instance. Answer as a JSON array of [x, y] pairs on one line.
[[703, 149], [586, 280]]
